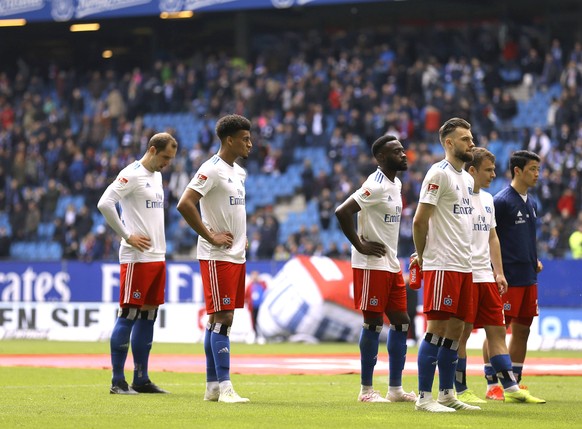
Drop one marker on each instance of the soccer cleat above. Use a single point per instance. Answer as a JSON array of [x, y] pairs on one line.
[[122, 388], [371, 396], [495, 393], [231, 397], [401, 397], [468, 397], [523, 397], [458, 405], [432, 406], [148, 387], [211, 395]]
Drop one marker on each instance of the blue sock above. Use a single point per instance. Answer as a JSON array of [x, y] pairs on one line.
[[210, 365], [142, 336], [220, 344], [396, 345], [119, 344], [369, 342], [461, 375], [427, 359], [502, 366], [517, 369], [491, 374], [447, 363]]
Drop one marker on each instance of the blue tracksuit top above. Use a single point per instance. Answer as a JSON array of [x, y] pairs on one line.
[[516, 228]]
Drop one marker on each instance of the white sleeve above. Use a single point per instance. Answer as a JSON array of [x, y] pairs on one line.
[[106, 206]]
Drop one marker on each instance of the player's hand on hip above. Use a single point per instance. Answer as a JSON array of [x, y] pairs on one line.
[[140, 242], [222, 239], [372, 248]]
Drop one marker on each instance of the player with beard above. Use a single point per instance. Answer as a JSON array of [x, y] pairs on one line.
[[379, 287], [442, 232], [219, 187]]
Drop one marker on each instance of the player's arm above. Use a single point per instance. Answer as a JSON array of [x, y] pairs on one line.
[[345, 216], [496, 261], [187, 208], [423, 214], [107, 207]]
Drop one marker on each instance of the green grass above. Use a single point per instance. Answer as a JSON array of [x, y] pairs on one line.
[[78, 398]]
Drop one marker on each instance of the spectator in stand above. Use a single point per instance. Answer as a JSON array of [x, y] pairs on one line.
[[575, 240], [5, 243], [539, 143]]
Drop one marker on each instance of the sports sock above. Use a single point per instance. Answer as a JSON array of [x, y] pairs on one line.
[[220, 344], [517, 370], [490, 375], [447, 362], [210, 365], [119, 344], [461, 375], [369, 341], [142, 336], [502, 366], [396, 346], [427, 360]]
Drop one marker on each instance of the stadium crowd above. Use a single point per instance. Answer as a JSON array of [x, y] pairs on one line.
[[67, 132]]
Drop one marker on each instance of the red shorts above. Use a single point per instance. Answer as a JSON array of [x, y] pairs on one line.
[[224, 285], [448, 292], [521, 301], [379, 291], [142, 283], [487, 308]]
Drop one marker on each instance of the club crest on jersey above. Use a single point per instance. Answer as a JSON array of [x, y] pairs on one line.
[[448, 301], [226, 300], [136, 294], [365, 193], [506, 306], [201, 179], [374, 301]]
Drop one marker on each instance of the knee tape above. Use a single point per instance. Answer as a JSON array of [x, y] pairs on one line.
[[129, 313], [149, 314]]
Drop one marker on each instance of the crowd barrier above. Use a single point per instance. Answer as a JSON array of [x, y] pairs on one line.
[[307, 298]]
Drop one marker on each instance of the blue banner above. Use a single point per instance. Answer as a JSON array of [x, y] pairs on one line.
[[76, 10], [98, 282]]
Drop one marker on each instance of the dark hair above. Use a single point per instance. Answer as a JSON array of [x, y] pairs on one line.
[[161, 140], [450, 126], [520, 158], [380, 142], [479, 155], [231, 124]]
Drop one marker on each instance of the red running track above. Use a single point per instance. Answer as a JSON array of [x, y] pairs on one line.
[[269, 364]]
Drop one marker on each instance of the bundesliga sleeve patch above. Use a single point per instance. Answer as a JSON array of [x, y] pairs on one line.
[[122, 181], [365, 193], [201, 179], [432, 188]]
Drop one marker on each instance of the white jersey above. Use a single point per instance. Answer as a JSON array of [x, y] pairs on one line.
[[141, 198], [222, 208], [450, 230], [483, 222], [379, 220]]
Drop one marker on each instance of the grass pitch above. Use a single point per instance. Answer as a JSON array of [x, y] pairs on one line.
[[79, 398]]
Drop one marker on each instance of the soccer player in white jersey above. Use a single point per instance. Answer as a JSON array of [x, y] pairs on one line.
[[378, 284], [489, 285], [219, 186], [442, 232], [138, 190]]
